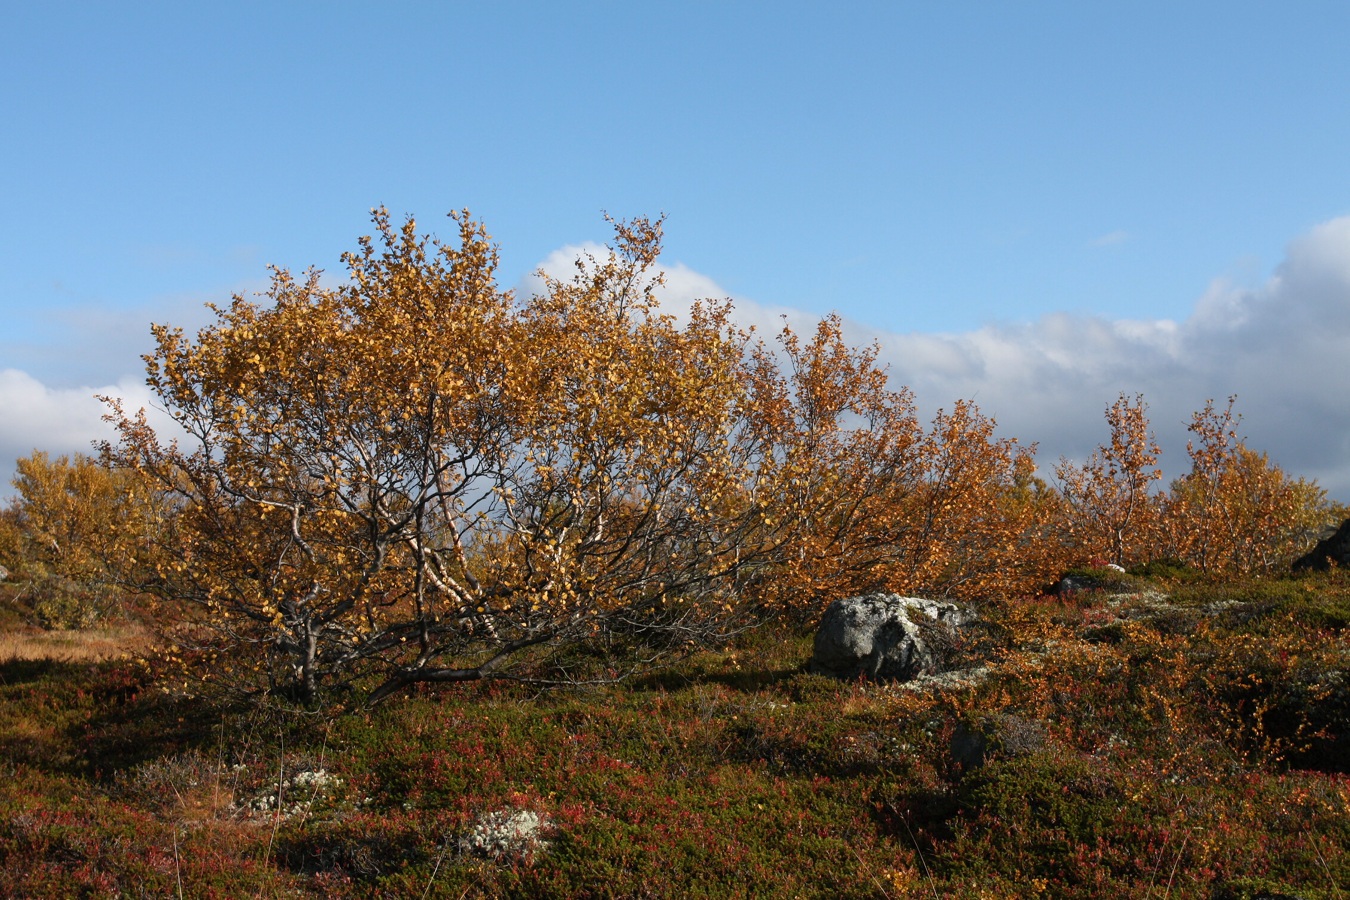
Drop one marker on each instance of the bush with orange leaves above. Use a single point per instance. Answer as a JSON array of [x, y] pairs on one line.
[[417, 477], [76, 531], [878, 502], [1234, 513], [414, 477], [1110, 512]]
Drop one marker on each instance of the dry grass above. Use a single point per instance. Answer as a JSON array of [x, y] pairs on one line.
[[117, 636], [89, 645]]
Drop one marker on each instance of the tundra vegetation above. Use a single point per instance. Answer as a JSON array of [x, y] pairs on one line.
[[307, 648]]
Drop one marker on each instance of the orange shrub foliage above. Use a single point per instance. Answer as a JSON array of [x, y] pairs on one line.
[[76, 518], [419, 476], [1110, 513], [874, 501], [1236, 512], [416, 476]]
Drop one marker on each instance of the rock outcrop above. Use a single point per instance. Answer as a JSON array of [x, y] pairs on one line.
[[1104, 578], [1335, 550], [886, 637]]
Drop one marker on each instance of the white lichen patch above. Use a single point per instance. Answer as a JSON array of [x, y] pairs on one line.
[[951, 680], [507, 833], [294, 796]]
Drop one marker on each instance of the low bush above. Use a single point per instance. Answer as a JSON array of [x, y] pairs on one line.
[[63, 603]]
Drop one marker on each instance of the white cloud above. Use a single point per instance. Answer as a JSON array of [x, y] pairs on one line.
[[57, 420], [561, 265], [1283, 347]]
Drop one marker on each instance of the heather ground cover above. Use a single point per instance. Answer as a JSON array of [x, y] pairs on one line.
[[1157, 738]]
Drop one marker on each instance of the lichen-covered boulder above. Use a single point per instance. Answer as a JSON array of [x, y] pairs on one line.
[[886, 637]]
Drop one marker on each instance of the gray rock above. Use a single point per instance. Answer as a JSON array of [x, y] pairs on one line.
[[1104, 578], [1335, 550], [885, 637], [998, 734]]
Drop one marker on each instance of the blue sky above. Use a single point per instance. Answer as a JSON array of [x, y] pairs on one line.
[[1038, 204]]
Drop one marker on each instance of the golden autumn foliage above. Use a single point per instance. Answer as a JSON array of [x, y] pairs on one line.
[[415, 476], [1110, 511], [1236, 512], [76, 517], [880, 502], [76, 529], [419, 476]]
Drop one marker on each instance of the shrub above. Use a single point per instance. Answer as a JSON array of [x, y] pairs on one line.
[[416, 477], [61, 603]]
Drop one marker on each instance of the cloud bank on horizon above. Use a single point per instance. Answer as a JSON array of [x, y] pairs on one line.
[[1280, 346]]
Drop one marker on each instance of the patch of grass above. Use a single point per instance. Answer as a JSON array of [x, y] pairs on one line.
[[116, 629], [112, 641]]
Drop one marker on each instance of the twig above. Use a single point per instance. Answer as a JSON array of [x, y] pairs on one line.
[[904, 820], [1162, 851], [220, 768], [1173, 874], [862, 862], [177, 871], [436, 868], [281, 787], [1326, 868]]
